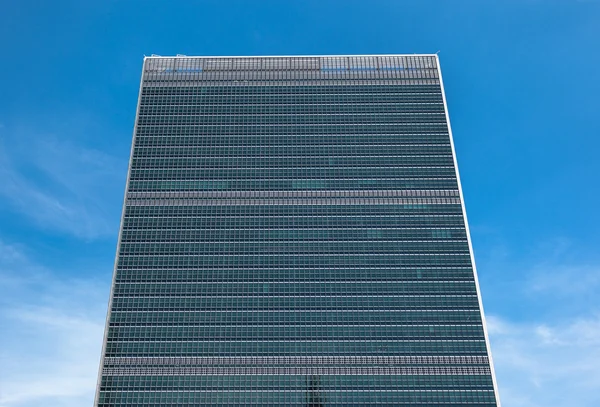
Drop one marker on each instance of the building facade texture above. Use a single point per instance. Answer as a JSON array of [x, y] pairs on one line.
[[293, 234]]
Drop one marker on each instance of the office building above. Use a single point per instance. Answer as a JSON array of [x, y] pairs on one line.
[[294, 234]]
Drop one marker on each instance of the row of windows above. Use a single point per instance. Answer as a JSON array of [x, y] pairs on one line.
[[176, 264], [254, 235], [321, 260], [280, 236], [274, 88], [413, 198], [243, 223], [289, 303], [203, 108], [224, 79], [282, 174], [295, 288], [410, 198], [313, 77], [339, 149], [298, 397], [300, 277], [239, 175], [294, 274], [421, 163], [224, 168], [373, 88], [319, 214], [291, 332], [290, 184], [210, 221], [245, 173], [421, 365], [420, 143], [296, 247], [296, 348], [330, 171], [296, 285], [413, 133], [295, 317], [364, 119], [201, 118], [323, 90], [258, 234], [426, 113], [302, 113], [149, 236], [225, 74], [402, 154], [287, 100], [278, 129], [419, 156], [299, 69], [293, 382], [198, 89]]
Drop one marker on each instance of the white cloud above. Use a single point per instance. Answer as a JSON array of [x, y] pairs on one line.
[[61, 185], [545, 324], [56, 324], [547, 364]]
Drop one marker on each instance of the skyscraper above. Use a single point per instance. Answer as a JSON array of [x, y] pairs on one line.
[[294, 234]]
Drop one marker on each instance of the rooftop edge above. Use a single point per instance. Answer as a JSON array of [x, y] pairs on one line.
[[289, 56]]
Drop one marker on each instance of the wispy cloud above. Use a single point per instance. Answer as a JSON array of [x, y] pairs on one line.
[[544, 322], [60, 185], [547, 364], [565, 280], [51, 356]]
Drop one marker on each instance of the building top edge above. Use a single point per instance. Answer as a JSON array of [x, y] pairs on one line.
[[290, 56]]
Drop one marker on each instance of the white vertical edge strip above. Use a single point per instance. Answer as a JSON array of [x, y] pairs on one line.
[[114, 279], [464, 212]]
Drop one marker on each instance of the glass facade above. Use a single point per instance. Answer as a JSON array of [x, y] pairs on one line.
[[293, 235]]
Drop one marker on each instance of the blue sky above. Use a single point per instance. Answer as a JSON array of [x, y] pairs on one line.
[[522, 83]]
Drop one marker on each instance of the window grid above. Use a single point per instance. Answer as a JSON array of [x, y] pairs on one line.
[[293, 235]]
